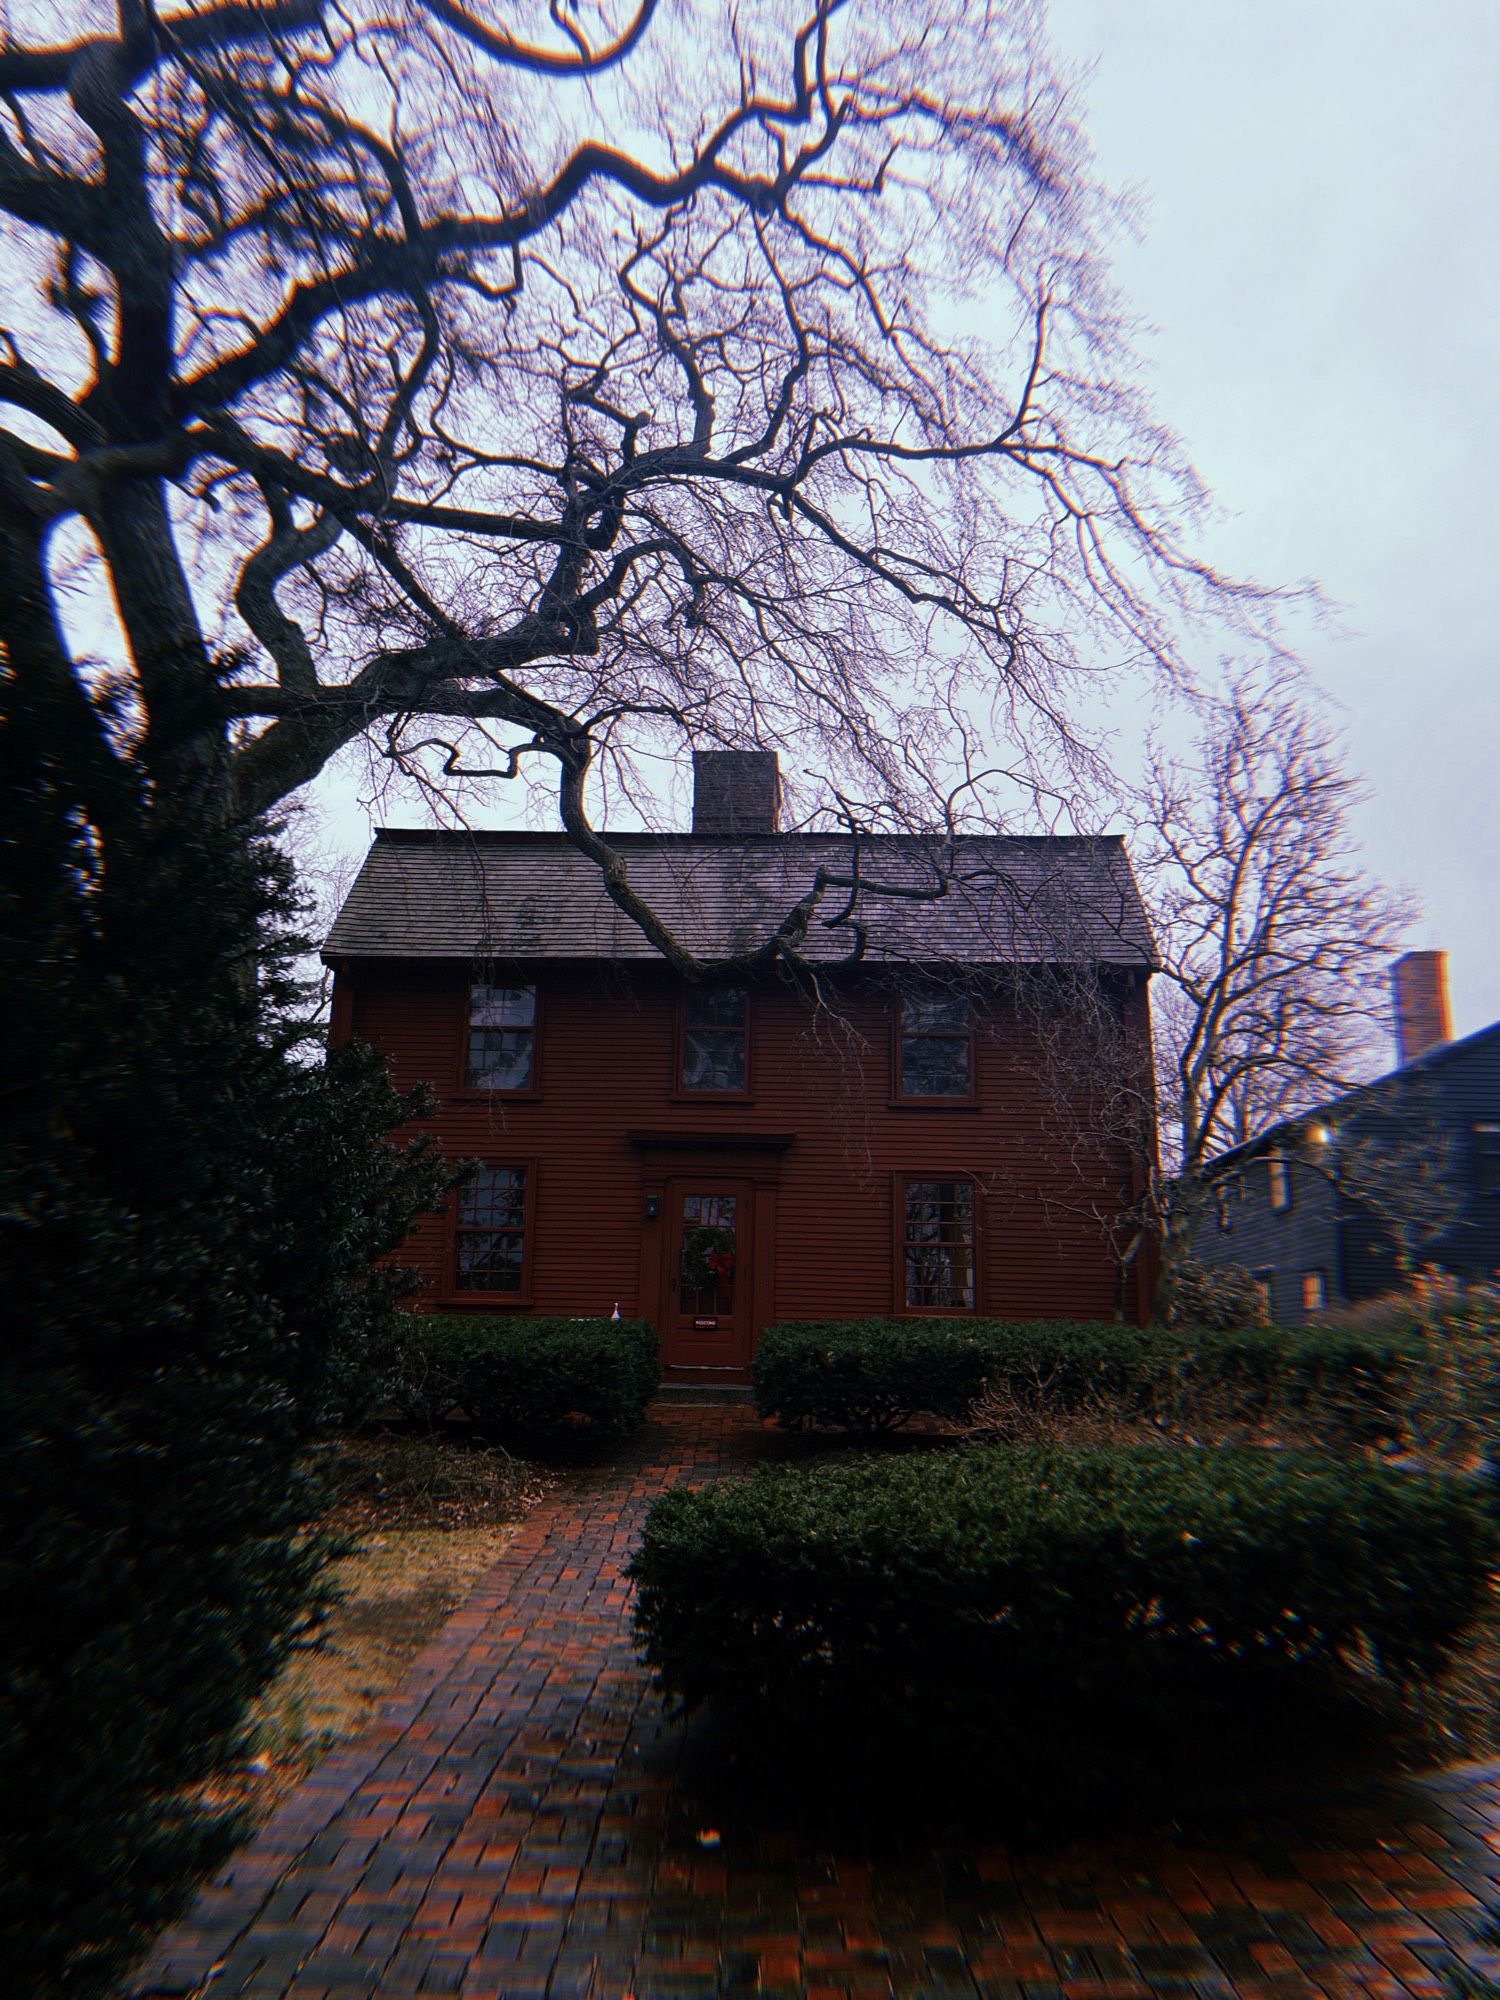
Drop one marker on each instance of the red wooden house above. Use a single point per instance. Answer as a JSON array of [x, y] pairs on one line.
[[878, 1140]]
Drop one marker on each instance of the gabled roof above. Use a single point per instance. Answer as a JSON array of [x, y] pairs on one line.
[[1336, 1110], [1012, 899]]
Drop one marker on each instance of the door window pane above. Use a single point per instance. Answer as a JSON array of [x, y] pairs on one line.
[[708, 1266]]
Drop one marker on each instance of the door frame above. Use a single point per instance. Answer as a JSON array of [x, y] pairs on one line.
[[753, 1160]]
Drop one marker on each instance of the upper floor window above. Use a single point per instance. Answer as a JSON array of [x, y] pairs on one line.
[[715, 1053], [935, 1045], [1279, 1169], [937, 1245], [501, 1049]]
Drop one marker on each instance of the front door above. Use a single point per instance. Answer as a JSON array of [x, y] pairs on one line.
[[708, 1276]]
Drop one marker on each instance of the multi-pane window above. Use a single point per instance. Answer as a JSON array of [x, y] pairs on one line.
[[491, 1234], [1314, 1291], [937, 1245], [501, 1052], [936, 1046], [715, 1027], [1279, 1169]]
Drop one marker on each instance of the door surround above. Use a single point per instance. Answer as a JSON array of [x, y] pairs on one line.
[[713, 1160]]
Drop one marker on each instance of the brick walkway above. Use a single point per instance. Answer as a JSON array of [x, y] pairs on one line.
[[513, 1828]]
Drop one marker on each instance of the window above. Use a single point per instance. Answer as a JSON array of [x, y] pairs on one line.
[[1314, 1291], [491, 1232], [715, 1040], [500, 1053], [1487, 1158], [1221, 1204], [1279, 1169], [937, 1245], [935, 1046], [1262, 1283]]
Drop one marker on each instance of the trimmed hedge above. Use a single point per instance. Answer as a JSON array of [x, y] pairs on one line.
[[868, 1375], [1019, 1597], [541, 1382]]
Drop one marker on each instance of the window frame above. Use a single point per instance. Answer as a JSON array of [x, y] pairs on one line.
[[484, 1093], [900, 1181], [467, 1294], [1315, 1273], [1486, 1135], [949, 1100], [1279, 1175], [679, 1092]]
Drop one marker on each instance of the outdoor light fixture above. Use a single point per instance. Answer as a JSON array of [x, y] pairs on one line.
[[653, 1207]]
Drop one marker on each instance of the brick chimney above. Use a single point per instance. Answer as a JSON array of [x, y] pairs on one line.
[[736, 792], [1420, 989]]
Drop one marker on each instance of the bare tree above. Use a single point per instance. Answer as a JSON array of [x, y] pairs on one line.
[[1273, 940], [544, 390]]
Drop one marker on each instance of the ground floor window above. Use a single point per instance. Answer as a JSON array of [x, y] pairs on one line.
[[1314, 1291], [937, 1245], [491, 1231]]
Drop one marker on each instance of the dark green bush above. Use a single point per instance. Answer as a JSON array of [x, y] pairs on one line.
[[538, 1382], [188, 1214], [1014, 1597], [866, 1375]]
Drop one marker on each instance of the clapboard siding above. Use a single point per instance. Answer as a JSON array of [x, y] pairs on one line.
[[825, 1189]]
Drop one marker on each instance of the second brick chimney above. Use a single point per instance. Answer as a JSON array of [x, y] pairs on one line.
[[736, 792], [1420, 989]]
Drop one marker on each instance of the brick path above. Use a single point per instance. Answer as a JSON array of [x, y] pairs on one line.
[[513, 1828]]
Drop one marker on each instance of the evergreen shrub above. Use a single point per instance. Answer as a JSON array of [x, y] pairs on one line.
[[868, 1375], [541, 1382], [189, 1209], [1009, 1600]]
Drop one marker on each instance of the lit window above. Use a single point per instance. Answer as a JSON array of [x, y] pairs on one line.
[[501, 1053], [491, 1234], [1314, 1291], [1226, 1220], [936, 1057], [1280, 1171], [938, 1245], [1262, 1283], [715, 1028]]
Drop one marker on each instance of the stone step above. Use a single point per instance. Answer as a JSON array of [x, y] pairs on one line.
[[705, 1392]]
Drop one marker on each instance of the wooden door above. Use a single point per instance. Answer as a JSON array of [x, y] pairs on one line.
[[708, 1277]]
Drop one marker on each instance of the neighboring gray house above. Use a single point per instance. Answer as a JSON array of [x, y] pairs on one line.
[[1319, 1208]]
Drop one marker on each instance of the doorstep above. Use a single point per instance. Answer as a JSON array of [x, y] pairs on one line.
[[704, 1392]]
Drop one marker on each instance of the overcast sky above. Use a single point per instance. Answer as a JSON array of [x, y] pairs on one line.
[[1322, 190]]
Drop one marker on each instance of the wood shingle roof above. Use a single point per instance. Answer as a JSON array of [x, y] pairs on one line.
[[1010, 899]]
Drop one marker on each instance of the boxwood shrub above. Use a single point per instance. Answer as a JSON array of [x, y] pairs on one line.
[[867, 1375], [1010, 1598], [540, 1382]]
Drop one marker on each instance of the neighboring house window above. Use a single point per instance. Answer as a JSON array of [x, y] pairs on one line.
[[937, 1245], [1280, 1170], [501, 1051], [1487, 1158], [715, 1040], [1314, 1291], [491, 1232], [935, 1046]]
